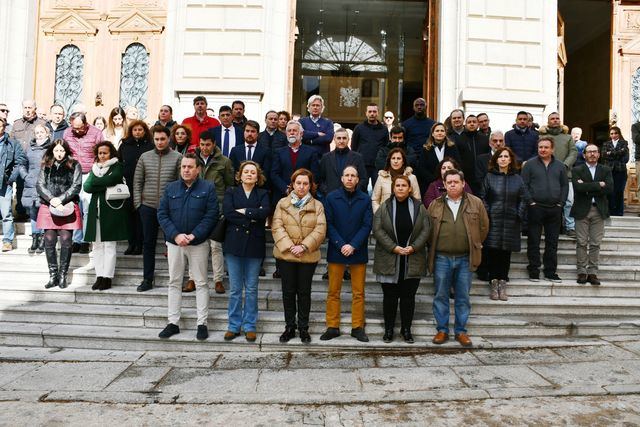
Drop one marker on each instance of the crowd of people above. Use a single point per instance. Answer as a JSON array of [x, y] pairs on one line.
[[446, 198]]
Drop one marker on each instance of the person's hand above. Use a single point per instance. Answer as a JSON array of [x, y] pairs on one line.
[[190, 237], [602, 184], [321, 134], [407, 250], [297, 250], [397, 250], [55, 202], [347, 250], [580, 181], [242, 211], [181, 240]]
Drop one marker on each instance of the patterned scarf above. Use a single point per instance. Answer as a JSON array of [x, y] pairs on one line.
[[298, 202]]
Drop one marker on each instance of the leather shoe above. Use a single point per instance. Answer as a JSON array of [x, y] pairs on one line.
[[582, 279], [129, 250], [169, 330], [263, 273], [203, 333], [388, 335], [346, 275], [325, 275], [304, 336], [593, 279], [330, 334], [106, 284], [440, 338], [189, 286], [408, 337], [97, 284], [276, 274], [464, 339], [288, 334], [146, 285], [359, 334], [228, 336], [219, 288], [250, 336]]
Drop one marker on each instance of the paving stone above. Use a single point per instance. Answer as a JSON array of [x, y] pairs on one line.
[[609, 352], [487, 377], [201, 380], [252, 361], [69, 376], [49, 354], [384, 360], [290, 381], [9, 371], [633, 346], [402, 379], [178, 359], [331, 360], [464, 358], [586, 373], [517, 357], [139, 378]]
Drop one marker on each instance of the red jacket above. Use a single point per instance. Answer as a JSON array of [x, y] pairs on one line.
[[82, 147], [197, 127]]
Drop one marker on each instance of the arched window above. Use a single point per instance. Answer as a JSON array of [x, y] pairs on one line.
[[635, 96], [69, 69], [346, 57], [134, 78]]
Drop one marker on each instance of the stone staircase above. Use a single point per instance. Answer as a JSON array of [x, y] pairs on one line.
[[121, 318]]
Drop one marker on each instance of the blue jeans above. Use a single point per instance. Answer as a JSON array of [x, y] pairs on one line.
[[452, 271], [6, 196], [83, 203], [243, 276]]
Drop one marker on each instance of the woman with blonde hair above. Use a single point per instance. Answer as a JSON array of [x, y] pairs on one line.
[[299, 228]]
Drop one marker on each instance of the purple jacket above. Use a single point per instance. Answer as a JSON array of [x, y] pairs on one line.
[[436, 189], [82, 147]]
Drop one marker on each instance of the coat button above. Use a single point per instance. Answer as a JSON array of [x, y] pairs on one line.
[[247, 231]]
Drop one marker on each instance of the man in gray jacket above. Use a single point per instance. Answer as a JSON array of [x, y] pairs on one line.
[[155, 169], [548, 186]]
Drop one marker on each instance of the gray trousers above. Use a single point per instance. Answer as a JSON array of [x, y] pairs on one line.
[[589, 233]]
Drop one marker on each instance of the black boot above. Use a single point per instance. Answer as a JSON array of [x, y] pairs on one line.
[[40, 247], [34, 244], [65, 260], [106, 284], [97, 284], [52, 261]]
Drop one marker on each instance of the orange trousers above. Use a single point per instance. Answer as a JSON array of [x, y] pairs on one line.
[[336, 272]]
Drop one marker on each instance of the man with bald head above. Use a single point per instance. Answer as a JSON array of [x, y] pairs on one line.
[[418, 127]]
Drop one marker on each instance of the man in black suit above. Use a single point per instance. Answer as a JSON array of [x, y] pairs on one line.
[[251, 150], [496, 140], [227, 135], [592, 183], [333, 163], [271, 137]]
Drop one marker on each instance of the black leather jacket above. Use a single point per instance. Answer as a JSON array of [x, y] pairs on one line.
[[60, 180]]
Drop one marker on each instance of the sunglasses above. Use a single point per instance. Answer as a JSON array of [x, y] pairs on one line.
[[388, 117]]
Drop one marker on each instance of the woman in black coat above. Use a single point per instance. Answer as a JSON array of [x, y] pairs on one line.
[[615, 154], [437, 147], [505, 198], [137, 142]]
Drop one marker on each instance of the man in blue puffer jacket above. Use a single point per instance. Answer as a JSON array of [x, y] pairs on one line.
[[522, 139]]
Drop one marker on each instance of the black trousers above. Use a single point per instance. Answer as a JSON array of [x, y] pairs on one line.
[[616, 200], [135, 225], [405, 291], [372, 173], [150, 226], [549, 219], [498, 262], [296, 291]]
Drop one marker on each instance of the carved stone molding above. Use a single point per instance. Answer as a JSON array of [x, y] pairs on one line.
[[135, 22], [632, 20], [70, 23]]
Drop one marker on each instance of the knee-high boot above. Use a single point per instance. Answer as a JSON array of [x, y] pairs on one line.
[[52, 262], [65, 260]]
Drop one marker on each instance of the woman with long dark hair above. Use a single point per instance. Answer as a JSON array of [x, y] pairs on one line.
[[180, 139], [615, 154], [396, 164], [437, 147], [59, 186]]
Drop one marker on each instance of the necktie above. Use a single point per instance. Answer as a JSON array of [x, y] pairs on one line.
[[249, 154], [225, 147]]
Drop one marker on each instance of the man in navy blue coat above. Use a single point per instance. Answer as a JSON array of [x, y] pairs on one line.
[[188, 212], [227, 135], [250, 149], [349, 220], [289, 159], [318, 131], [418, 127]]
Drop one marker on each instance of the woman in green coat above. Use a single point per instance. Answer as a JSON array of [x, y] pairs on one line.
[[401, 227], [106, 221]]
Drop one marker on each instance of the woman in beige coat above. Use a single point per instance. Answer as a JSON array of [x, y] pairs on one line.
[[396, 165], [299, 227]]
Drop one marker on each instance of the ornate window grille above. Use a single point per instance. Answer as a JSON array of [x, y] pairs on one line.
[[134, 78], [69, 69], [635, 96]]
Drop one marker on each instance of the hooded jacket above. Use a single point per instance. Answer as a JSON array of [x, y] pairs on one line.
[[564, 149]]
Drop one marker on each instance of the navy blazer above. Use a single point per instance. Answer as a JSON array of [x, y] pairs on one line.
[[261, 155], [310, 135], [217, 135], [245, 234], [349, 221], [282, 169]]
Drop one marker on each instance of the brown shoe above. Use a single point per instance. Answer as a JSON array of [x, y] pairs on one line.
[[229, 335], [250, 336], [593, 279], [440, 338], [189, 286], [219, 287], [464, 339]]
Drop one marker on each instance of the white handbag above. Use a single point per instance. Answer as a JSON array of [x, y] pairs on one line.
[[117, 192]]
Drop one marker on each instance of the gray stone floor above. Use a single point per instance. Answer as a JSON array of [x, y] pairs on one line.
[[597, 383]]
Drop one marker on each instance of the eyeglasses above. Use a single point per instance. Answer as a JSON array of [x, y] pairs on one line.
[[388, 117], [3, 110], [497, 140]]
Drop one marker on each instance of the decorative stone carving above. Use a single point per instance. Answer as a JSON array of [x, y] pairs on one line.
[[135, 22], [70, 23], [632, 20]]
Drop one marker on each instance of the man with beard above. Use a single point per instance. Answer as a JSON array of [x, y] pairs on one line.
[[471, 144], [368, 138], [396, 136], [417, 128]]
